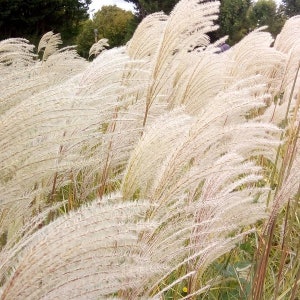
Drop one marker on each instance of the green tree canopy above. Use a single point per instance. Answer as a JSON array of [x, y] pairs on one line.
[[233, 19], [110, 22], [146, 7], [32, 18], [236, 19], [291, 7], [264, 12]]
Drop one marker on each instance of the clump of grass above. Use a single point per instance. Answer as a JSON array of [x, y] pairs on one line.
[[154, 171]]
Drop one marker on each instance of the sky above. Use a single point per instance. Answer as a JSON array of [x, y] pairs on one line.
[[97, 4]]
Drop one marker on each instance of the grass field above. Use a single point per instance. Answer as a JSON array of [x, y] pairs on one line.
[[163, 169]]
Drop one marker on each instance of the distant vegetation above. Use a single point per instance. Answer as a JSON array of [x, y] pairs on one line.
[[31, 19], [110, 22]]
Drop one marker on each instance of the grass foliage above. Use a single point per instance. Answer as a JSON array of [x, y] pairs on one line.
[[160, 170]]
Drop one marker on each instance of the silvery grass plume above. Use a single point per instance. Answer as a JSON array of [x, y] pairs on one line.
[[96, 245], [283, 198], [98, 47], [49, 44], [23, 75], [79, 130], [185, 28], [185, 207], [15, 51], [165, 139], [261, 59], [288, 42]]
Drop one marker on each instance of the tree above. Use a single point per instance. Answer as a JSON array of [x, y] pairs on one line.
[[110, 22], [33, 18], [233, 19], [86, 38], [291, 7], [236, 18], [264, 12], [146, 7]]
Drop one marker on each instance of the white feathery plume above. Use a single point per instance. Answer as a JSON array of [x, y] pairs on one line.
[[253, 55], [199, 77], [16, 59], [61, 65], [34, 77], [289, 35], [137, 182], [83, 124], [21, 238], [15, 52], [288, 42], [98, 47], [285, 97], [144, 47], [88, 254], [201, 179], [66, 105], [49, 44], [288, 188], [141, 45], [189, 21], [216, 130]]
